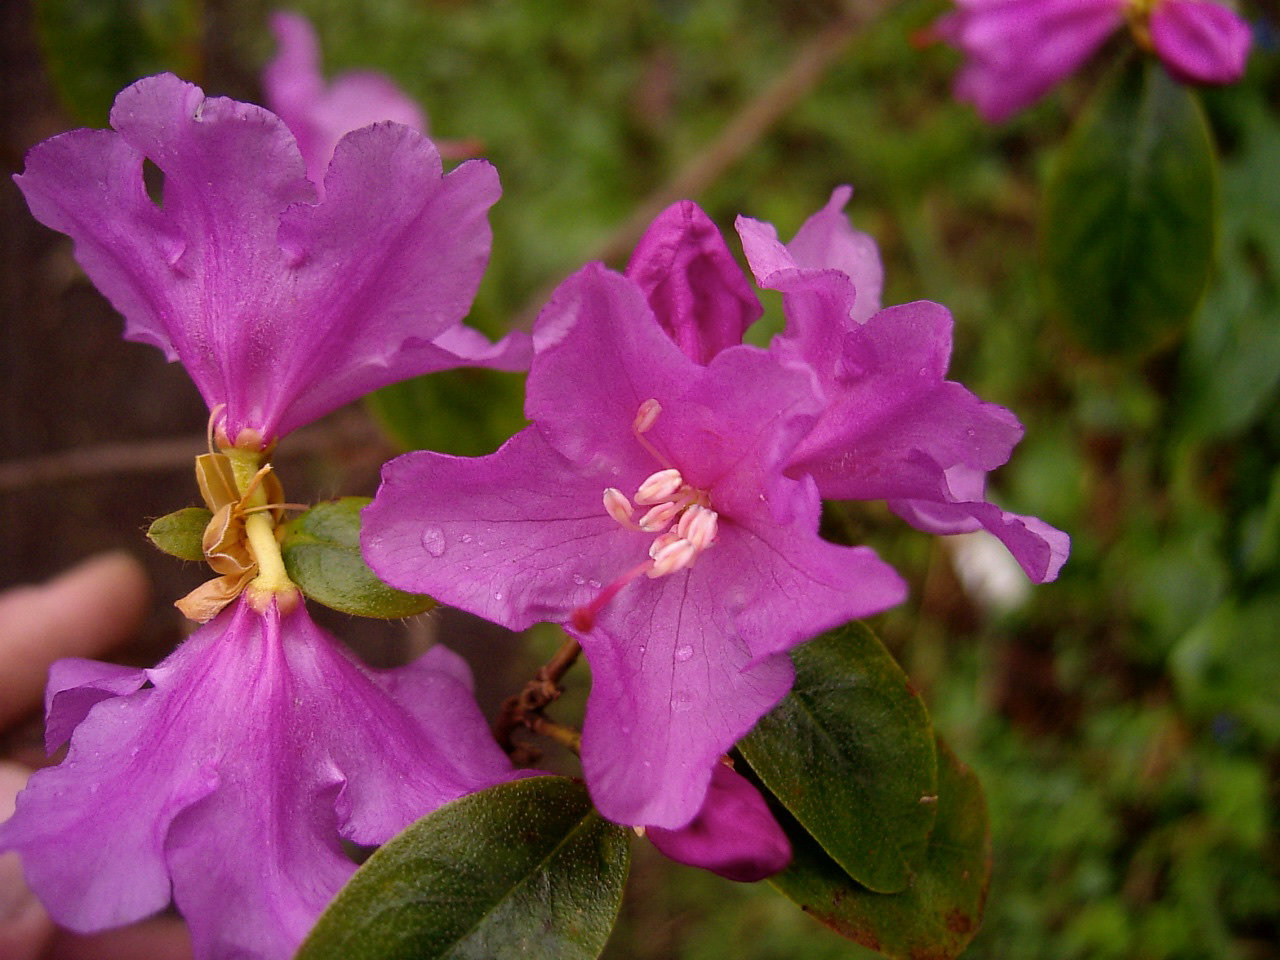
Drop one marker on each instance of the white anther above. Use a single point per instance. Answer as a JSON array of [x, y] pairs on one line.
[[674, 556], [659, 518], [646, 415], [698, 525], [618, 506], [660, 486], [661, 543]]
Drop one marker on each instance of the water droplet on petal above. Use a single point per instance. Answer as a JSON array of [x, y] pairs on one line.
[[593, 584], [433, 541], [497, 596], [465, 538], [682, 702], [683, 654], [579, 579]]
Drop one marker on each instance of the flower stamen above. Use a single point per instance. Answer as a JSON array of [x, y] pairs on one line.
[[670, 501]]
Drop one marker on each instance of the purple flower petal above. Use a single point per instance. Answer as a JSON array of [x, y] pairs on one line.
[[319, 115], [1017, 49], [516, 537], [894, 428], [734, 834], [75, 685], [693, 283], [1199, 41], [280, 308], [233, 778], [684, 662]]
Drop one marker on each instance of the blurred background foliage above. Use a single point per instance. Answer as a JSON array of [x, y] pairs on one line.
[[1125, 720]]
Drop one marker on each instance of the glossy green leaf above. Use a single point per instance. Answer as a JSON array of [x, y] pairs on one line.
[[850, 753], [525, 869], [179, 533], [467, 412], [95, 48], [1129, 221], [321, 552], [941, 911]]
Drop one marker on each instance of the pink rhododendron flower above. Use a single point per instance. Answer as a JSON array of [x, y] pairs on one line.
[[226, 776], [282, 307], [893, 427], [664, 503], [1016, 50], [646, 508]]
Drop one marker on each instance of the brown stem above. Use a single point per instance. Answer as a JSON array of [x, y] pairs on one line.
[[524, 709]]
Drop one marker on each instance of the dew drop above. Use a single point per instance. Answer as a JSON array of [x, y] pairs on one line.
[[497, 596], [465, 538], [593, 584], [433, 541], [683, 654], [972, 432], [682, 702], [579, 579]]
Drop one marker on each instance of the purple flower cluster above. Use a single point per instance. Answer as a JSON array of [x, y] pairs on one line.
[[664, 503], [1017, 50], [663, 506]]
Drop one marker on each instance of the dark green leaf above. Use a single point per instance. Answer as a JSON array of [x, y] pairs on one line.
[[466, 412], [95, 48], [321, 552], [850, 753], [179, 533], [1130, 213], [525, 869], [942, 910]]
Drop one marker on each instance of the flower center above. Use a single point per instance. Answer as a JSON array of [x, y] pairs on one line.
[[678, 513]]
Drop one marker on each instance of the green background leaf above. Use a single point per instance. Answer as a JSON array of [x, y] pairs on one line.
[[850, 753], [468, 412], [525, 869], [180, 534], [321, 551], [940, 913], [1129, 218], [96, 49]]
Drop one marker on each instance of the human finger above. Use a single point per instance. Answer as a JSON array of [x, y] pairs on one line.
[[83, 612]]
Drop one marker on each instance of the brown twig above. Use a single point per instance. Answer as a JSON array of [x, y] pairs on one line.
[[524, 709], [155, 456]]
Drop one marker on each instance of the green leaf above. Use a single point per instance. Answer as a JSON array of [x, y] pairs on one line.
[[321, 552], [179, 533], [942, 910], [467, 412], [1129, 219], [95, 48], [850, 753], [525, 869]]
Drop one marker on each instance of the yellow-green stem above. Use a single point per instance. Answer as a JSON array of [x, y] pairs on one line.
[[259, 527]]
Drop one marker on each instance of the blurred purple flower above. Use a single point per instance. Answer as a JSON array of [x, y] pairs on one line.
[[1016, 50], [282, 307], [893, 428], [686, 602], [319, 114], [226, 776]]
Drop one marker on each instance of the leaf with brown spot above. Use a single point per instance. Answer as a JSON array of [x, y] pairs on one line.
[[940, 912]]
